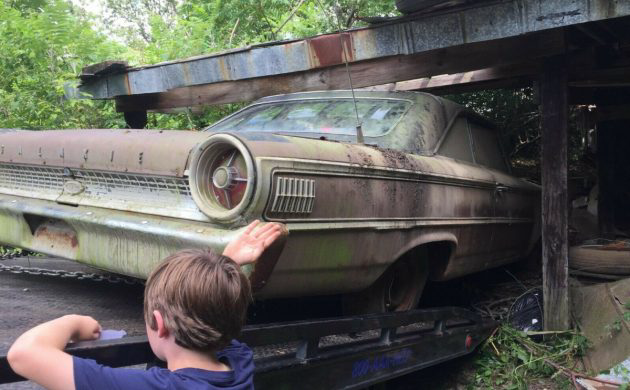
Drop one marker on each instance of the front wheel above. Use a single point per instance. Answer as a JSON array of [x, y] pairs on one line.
[[398, 289]]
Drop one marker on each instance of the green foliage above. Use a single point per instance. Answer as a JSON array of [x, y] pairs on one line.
[[622, 372], [517, 114], [203, 27], [510, 359], [46, 43], [616, 326], [42, 48]]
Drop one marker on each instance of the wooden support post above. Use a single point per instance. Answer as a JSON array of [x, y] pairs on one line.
[[554, 113]]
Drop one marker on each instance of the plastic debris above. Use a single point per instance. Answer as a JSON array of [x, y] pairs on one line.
[[526, 313]]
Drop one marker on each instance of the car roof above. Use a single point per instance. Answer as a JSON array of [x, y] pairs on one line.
[[348, 94]]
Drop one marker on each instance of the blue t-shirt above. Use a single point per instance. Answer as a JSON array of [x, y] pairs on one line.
[[90, 375]]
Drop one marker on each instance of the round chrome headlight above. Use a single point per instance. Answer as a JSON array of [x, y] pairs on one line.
[[222, 177]]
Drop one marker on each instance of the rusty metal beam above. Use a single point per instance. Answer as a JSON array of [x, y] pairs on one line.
[[431, 34], [364, 74]]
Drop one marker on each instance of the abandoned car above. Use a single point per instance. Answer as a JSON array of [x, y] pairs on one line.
[[427, 194]]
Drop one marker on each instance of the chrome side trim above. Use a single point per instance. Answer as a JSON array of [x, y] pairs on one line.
[[334, 168], [395, 223]]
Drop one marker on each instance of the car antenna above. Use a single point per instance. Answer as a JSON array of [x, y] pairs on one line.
[[360, 139]]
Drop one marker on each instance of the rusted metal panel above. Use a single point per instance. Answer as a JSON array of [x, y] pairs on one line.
[[326, 50], [447, 28]]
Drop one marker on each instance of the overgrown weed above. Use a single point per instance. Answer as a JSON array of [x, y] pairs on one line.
[[510, 359]]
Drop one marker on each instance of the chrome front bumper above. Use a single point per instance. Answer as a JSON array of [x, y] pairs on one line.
[[118, 241]]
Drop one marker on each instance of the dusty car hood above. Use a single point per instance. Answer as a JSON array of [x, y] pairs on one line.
[[154, 152]]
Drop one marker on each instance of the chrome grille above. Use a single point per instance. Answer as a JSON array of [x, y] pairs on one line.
[[161, 195], [30, 178], [293, 195], [98, 183]]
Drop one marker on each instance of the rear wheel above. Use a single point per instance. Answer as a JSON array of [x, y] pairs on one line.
[[398, 289]]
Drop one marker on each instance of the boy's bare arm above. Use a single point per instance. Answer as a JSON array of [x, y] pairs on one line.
[[38, 354], [252, 242]]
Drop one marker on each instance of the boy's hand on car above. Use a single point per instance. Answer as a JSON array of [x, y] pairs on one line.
[[252, 242]]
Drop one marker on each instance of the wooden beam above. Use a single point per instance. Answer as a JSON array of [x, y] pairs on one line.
[[582, 68], [609, 77], [599, 96], [489, 78], [366, 73], [554, 122]]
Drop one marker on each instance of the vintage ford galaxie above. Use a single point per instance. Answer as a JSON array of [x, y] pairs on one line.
[[427, 195]]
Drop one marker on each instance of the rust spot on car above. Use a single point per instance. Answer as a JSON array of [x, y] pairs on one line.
[[366, 159], [395, 158], [327, 50], [56, 234]]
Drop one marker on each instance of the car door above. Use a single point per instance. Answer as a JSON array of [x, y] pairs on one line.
[[512, 205], [473, 202]]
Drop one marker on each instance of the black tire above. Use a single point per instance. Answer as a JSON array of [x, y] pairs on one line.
[[398, 289], [596, 260]]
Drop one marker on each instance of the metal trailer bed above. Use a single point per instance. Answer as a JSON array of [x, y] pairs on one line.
[[331, 353]]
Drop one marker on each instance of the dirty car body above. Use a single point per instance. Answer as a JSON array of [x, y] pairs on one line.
[[429, 186]]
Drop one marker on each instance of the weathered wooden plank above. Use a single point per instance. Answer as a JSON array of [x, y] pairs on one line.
[[607, 77], [599, 96], [554, 113], [102, 68], [584, 67], [367, 73], [494, 77]]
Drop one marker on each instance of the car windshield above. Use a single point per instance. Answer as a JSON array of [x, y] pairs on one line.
[[333, 116]]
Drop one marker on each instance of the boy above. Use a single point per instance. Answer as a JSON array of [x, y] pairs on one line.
[[195, 303]]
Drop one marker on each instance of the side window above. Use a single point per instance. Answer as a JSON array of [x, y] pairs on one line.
[[486, 146], [457, 142]]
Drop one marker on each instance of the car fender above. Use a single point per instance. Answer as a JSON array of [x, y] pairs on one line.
[[437, 262]]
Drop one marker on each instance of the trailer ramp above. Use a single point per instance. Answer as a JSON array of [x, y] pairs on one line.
[[331, 353]]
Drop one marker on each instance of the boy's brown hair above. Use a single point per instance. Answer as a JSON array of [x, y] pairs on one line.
[[202, 297]]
